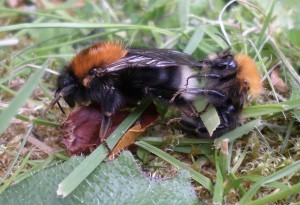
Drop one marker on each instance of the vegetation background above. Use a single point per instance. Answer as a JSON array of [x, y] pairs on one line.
[[261, 164]]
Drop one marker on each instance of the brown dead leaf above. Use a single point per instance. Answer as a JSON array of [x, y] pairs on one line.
[[82, 128], [147, 119], [14, 3], [277, 81]]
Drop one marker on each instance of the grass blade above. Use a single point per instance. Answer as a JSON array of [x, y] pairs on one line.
[[289, 68], [9, 170], [265, 25], [16, 173], [196, 38], [183, 12], [203, 180], [21, 97], [277, 196], [259, 110], [219, 187], [224, 158], [83, 25], [273, 177], [236, 133]]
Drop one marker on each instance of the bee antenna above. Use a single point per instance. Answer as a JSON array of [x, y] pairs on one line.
[[55, 100], [60, 107], [58, 94], [228, 44]]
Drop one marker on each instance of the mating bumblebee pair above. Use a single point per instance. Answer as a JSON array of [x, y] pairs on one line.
[[113, 77]]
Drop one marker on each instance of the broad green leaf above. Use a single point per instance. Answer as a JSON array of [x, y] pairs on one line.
[[115, 182]]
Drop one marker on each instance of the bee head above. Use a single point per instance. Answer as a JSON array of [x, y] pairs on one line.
[[222, 64], [67, 87]]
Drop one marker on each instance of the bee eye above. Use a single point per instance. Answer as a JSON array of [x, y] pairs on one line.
[[230, 109], [225, 64], [231, 65], [93, 71], [66, 80]]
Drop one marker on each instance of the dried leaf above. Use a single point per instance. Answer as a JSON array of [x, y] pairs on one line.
[[146, 120], [82, 128], [277, 81]]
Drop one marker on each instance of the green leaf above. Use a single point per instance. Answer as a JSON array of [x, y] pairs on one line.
[[210, 119], [115, 182]]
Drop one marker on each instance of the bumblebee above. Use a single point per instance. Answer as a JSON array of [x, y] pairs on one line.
[[113, 77], [234, 76]]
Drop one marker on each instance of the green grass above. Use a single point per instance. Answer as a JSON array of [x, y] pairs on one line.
[[259, 158]]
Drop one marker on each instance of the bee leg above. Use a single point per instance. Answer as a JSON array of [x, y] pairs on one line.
[[194, 125], [105, 125], [168, 96], [174, 120], [229, 111], [196, 91], [187, 108], [224, 119], [59, 94], [200, 76], [202, 91]]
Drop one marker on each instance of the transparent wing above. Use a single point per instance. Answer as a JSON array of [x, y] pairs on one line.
[[153, 58]]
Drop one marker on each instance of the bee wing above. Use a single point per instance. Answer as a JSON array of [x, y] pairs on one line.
[[155, 58]]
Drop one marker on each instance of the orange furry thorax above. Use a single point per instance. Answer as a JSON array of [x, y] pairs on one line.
[[96, 56], [248, 75]]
